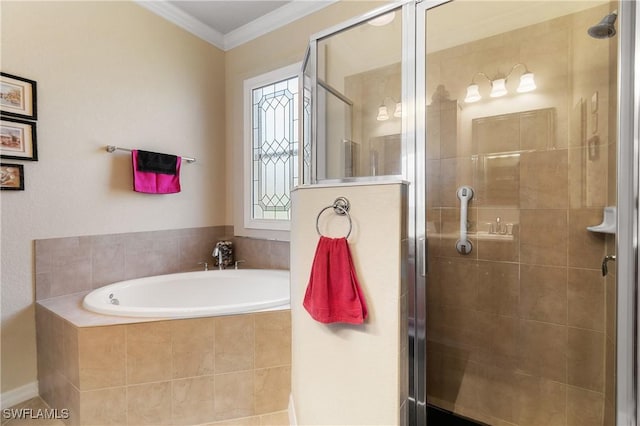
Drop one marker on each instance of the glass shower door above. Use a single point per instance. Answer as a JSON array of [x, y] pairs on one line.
[[357, 102], [520, 159]]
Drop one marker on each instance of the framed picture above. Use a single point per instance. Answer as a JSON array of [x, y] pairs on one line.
[[18, 139], [17, 97], [12, 176]]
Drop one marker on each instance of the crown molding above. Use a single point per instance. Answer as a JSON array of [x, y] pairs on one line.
[[273, 20], [184, 21], [254, 29]]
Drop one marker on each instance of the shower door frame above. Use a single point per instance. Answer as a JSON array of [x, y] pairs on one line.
[[628, 184], [418, 374], [408, 50], [628, 190]]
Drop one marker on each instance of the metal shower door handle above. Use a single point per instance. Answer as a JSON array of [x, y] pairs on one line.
[[465, 194]]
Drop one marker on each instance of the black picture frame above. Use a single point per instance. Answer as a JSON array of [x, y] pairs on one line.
[[18, 97], [18, 139], [11, 177]]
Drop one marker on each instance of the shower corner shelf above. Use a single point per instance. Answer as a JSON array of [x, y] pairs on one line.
[[608, 225]]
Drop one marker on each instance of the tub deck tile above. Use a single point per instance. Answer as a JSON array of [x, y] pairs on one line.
[[70, 308]]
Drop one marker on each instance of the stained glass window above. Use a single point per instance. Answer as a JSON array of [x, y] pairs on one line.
[[274, 148]]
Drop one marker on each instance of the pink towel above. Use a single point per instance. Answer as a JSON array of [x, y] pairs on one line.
[[153, 182], [333, 293]]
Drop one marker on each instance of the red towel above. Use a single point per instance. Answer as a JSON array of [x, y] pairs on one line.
[[333, 293], [155, 182]]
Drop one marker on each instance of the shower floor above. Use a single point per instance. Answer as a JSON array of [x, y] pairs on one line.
[[439, 417]]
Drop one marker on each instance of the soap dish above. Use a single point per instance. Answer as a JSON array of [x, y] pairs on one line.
[[608, 225]]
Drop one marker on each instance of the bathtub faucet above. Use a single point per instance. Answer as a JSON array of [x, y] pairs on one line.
[[223, 253], [218, 254]]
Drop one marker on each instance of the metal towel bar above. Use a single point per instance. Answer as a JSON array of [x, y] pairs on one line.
[[111, 148], [340, 207]]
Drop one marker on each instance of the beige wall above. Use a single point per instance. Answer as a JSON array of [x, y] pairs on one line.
[[284, 46], [107, 73], [352, 374]]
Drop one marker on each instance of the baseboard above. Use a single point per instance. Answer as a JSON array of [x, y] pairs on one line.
[[293, 421], [18, 395]]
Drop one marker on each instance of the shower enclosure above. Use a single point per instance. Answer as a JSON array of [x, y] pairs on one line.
[[516, 124]]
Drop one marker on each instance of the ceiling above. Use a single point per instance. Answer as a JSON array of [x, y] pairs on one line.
[[226, 16], [230, 23]]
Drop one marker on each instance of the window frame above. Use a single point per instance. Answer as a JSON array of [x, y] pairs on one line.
[[274, 76]]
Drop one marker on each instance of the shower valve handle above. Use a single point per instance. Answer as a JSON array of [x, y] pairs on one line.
[[605, 269]]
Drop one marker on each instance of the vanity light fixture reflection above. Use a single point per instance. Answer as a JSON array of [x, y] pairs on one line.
[[473, 93], [398, 112], [499, 84], [527, 84], [498, 87], [383, 111]]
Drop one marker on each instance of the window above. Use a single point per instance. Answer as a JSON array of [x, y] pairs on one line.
[[271, 147]]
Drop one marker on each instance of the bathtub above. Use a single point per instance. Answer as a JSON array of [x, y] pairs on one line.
[[193, 294]]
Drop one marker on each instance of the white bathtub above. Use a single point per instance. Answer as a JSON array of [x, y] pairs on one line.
[[193, 294]]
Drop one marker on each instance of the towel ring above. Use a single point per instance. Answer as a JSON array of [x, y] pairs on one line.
[[340, 207]]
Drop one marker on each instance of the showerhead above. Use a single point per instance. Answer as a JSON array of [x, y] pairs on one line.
[[604, 28]]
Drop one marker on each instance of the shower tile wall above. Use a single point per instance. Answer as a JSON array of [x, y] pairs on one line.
[[521, 331]]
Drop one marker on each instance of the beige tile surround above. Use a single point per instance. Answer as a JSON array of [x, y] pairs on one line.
[[110, 370], [78, 264], [231, 369]]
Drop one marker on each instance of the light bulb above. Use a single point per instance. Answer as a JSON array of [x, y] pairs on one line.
[[498, 88], [398, 111], [473, 94], [527, 84], [383, 114]]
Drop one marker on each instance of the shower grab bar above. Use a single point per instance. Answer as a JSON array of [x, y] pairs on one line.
[[465, 194], [112, 148], [340, 207], [423, 256]]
